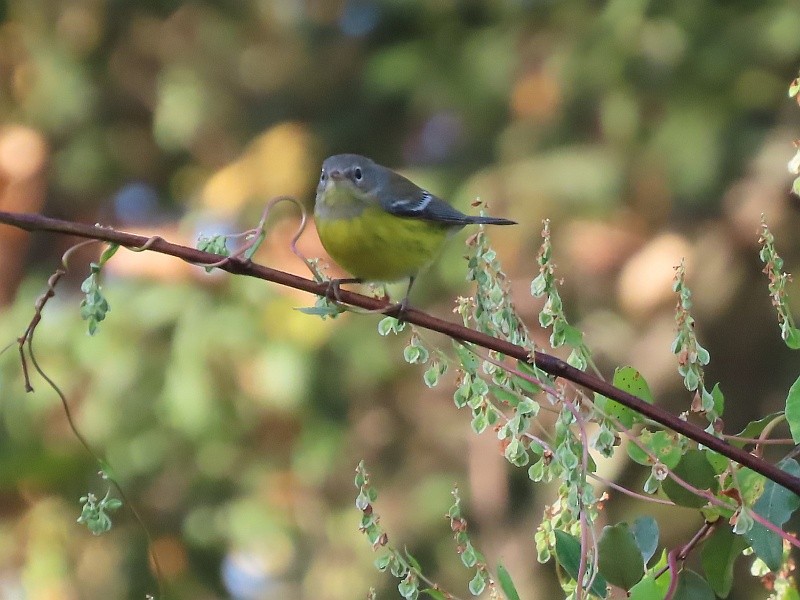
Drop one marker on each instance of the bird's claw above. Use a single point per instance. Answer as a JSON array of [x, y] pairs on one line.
[[398, 310], [333, 292]]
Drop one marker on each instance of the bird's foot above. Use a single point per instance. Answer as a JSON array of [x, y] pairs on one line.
[[333, 293], [398, 310]]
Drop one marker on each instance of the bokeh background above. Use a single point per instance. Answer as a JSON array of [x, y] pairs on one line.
[[646, 131]]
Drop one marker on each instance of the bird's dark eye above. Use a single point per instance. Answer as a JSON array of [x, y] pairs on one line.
[[357, 173], [323, 175]]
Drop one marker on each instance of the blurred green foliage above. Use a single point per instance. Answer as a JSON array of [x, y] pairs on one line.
[[234, 422]]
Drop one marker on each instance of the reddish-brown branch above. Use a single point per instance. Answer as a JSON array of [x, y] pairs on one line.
[[550, 364]]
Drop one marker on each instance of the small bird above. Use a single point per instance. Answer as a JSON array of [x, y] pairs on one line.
[[379, 225]]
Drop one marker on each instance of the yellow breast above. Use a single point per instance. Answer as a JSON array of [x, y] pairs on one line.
[[378, 246]]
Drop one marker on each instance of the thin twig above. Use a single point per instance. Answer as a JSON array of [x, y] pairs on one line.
[[775, 442], [85, 443], [631, 493], [26, 341], [680, 554]]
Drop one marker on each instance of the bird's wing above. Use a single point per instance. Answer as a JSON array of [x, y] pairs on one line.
[[409, 200]]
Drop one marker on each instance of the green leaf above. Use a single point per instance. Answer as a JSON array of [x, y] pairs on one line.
[[692, 587], [619, 557], [422, 352], [568, 554], [468, 556], [329, 310], [703, 357], [398, 568], [468, 360], [479, 423], [538, 285], [645, 532], [462, 395], [215, 244], [113, 504], [776, 505], [435, 594], [527, 406], [559, 335], [250, 252], [717, 461], [506, 584], [792, 334], [504, 395], [719, 554], [478, 583], [431, 375], [751, 485], [413, 562], [662, 444], [479, 387], [719, 399], [94, 513], [615, 410], [572, 336], [382, 562], [525, 385], [650, 589], [694, 469], [653, 589], [516, 453], [411, 354], [604, 440], [793, 410], [360, 478], [631, 381], [691, 379], [409, 587], [532, 372], [389, 325], [537, 470], [94, 307], [577, 358], [362, 500], [744, 522], [754, 428]]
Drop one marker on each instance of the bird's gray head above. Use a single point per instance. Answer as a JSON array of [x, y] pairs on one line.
[[359, 171]]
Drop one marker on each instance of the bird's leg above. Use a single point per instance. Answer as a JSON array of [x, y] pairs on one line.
[[334, 288], [401, 307]]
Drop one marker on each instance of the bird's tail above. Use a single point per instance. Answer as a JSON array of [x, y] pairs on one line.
[[471, 220]]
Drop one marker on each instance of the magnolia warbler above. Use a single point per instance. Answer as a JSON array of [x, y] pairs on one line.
[[380, 226]]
